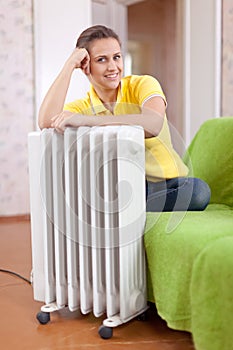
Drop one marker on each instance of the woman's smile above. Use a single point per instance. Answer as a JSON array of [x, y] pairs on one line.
[[112, 76]]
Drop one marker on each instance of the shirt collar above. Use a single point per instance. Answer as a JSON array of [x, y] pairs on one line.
[[97, 105]]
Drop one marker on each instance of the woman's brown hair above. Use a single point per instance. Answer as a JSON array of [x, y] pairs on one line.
[[95, 32]]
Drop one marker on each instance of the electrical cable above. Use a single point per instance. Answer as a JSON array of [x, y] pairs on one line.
[[16, 274]]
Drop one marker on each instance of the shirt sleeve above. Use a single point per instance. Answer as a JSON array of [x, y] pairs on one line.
[[148, 87]]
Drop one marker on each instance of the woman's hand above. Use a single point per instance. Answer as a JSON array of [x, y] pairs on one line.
[[60, 121], [80, 59]]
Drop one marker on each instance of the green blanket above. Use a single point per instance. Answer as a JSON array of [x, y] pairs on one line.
[[181, 286], [190, 254]]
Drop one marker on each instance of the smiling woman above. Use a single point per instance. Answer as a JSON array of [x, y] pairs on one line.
[[98, 55], [131, 100]]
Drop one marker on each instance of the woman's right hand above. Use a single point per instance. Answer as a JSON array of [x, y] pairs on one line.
[[80, 59]]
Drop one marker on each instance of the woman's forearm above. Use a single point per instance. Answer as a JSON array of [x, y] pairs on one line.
[[55, 98], [151, 122]]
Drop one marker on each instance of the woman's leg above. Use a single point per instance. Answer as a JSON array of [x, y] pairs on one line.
[[178, 194]]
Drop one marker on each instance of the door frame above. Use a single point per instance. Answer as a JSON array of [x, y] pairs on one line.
[[200, 55]]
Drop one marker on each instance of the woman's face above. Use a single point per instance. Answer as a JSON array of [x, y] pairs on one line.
[[106, 64]]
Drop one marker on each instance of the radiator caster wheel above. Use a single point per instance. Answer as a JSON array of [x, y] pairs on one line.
[[43, 317], [143, 317], [105, 332]]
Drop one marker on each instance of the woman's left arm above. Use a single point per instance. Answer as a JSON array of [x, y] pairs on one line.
[[153, 112]]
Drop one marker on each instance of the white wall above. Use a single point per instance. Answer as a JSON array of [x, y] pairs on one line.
[[57, 24]]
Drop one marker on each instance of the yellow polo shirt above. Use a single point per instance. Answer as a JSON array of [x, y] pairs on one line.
[[162, 162]]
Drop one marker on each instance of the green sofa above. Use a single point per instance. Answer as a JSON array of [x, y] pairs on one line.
[[190, 254]]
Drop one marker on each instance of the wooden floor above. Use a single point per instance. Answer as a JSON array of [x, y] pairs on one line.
[[19, 328]]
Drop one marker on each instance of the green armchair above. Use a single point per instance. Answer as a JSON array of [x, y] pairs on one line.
[[190, 254]]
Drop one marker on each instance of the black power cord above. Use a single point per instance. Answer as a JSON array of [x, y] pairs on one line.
[[16, 274]]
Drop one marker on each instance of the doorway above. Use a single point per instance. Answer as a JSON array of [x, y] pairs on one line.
[[153, 47]]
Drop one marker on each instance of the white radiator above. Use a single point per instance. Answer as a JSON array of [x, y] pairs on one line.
[[87, 193]]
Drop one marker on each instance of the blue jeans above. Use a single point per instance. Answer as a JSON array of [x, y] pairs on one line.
[[178, 194]]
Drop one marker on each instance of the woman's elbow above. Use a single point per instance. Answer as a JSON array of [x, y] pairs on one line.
[[43, 122]]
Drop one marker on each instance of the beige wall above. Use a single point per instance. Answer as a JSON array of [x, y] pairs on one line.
[[16, 103], [227, 59]]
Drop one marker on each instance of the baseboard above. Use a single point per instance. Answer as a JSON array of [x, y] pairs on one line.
[[14, 218]]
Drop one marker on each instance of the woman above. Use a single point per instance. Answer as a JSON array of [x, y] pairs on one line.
[[133, 100]]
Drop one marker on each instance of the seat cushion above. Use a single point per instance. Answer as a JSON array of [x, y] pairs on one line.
[[173, 241]]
